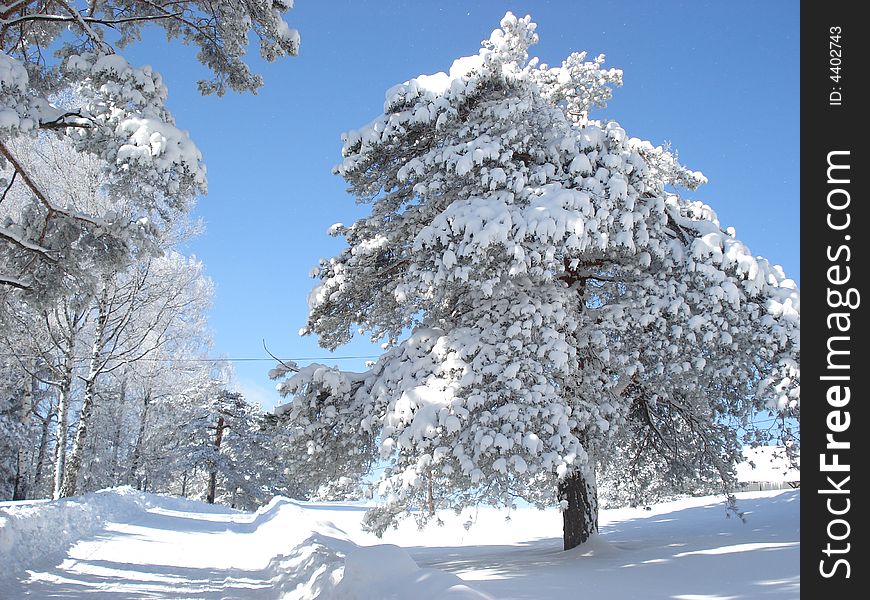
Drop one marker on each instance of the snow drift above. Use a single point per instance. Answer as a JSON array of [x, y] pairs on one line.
[[39, 531], [301, 558]]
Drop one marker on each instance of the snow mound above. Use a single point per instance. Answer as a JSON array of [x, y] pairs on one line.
[[38, 531], [311, 569], [327, 565], [388, 572], [295, 554]]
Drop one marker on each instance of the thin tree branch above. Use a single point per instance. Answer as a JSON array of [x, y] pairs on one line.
[[27, 245], [84, 25], [9, 187], [26, 178], [293, 367], [52, 210], [14, 7], [199, 29], [87, 20], [52, 125], [13, 282]]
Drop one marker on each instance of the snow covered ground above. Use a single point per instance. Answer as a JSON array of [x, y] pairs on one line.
[[125, 544]]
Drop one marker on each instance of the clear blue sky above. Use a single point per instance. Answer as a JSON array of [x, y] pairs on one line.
[[719, 80]]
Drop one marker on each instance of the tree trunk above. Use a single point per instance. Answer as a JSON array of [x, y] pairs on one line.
[[580, 517], [62, 422], [19, 488], [114, 472], [140, 440], [212, 476], [431, 494], [21, 471], [26, 408], [43, 450], [70, 478], [68, 488]]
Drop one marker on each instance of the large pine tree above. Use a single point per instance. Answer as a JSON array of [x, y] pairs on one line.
[[543, 298]]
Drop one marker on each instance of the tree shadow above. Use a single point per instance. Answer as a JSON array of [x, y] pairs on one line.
[[122, 580], [667, 555]]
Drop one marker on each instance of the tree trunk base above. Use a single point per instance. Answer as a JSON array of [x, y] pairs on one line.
[[580, 517]]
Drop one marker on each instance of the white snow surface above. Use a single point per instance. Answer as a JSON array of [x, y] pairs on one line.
[[127, 544]]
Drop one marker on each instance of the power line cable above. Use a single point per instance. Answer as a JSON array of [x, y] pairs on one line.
[[239, 359]]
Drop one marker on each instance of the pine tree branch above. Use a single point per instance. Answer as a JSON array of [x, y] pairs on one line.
[[78, 18], [15, 6], [61, 122], [32, 17], [292, 367], [27, 245], [13, 282], [195, 26], [9, 187]]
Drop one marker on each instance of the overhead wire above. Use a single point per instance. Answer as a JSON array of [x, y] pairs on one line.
[[231, 359]]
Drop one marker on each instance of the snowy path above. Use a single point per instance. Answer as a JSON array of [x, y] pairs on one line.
[[157, 547], [165, 553]]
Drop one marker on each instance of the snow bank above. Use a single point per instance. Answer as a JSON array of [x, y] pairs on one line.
[[37, 532], [388, 572], [327, 565], [309, 570], [294, 552]]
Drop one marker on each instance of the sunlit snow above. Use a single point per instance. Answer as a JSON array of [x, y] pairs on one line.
[[128, 544]]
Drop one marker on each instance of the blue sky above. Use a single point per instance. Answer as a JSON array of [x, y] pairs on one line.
[[719, 80]]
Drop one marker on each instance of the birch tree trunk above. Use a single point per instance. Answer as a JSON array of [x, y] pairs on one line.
[[136, 460], [43, 449], [116, 438], [63, 420], [70, 480], [22, 474]]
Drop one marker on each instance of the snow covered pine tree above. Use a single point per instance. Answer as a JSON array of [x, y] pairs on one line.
[[557, 296]]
